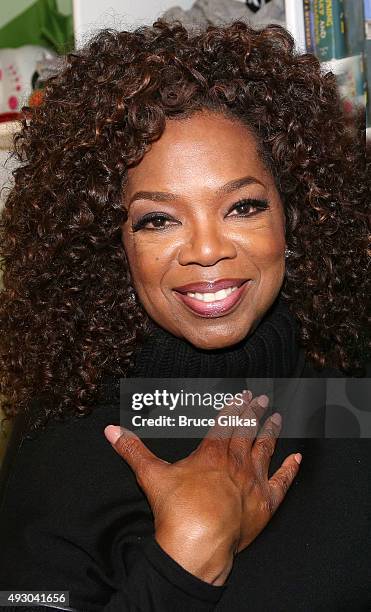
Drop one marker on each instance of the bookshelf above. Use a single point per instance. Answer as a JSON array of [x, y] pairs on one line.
[[347, 69], [344, 48]]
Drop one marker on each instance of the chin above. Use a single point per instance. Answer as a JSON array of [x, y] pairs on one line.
[[214, 340]]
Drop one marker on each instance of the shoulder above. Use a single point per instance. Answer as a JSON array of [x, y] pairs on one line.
[[61, 494], [61, 457]]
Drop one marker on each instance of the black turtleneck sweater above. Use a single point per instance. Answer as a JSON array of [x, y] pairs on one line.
[[73, 518]]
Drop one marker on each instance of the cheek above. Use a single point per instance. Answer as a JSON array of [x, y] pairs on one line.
[[264, 250], [265, 246], [267, 252], [147, 263]]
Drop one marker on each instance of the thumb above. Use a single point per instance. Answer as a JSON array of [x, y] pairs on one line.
[[131, 448], [113, 432]]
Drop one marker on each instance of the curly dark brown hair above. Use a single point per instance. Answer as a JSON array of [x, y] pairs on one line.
[[65, 314]]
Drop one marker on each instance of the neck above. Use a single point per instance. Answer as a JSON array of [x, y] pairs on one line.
[[271, 350]]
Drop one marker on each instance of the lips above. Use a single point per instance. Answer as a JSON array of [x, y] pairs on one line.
[[217, 307], [211, 286]]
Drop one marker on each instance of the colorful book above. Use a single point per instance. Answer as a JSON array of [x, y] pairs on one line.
[[354, 26], [329, 27], [310, 42]]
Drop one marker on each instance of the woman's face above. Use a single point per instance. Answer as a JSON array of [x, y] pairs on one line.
[[202, 207]]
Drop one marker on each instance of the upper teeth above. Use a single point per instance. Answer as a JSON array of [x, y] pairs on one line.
[[212, 297]]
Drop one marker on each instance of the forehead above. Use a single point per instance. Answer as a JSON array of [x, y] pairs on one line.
[[206, 147]]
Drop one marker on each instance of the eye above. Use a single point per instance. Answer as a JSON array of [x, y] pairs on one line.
[[158, 221], [161, 221], [248, 207]]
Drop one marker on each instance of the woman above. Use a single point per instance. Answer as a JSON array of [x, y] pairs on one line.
[[165, 167]]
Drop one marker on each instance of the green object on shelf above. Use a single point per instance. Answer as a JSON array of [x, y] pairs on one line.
[[329, 27], [40, 24], [354, 26]]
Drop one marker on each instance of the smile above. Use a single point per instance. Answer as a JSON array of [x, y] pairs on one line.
[[212, 297], [213, 304]]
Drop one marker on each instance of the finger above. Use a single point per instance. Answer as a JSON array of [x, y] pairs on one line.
[[265, 443], [245, 431], [224, 431], [131, 448], [282, 479], [253, 411]]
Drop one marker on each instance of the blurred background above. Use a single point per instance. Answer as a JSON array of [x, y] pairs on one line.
[[34, 34]]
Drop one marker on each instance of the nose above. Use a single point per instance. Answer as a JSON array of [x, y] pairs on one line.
[[207, 245]]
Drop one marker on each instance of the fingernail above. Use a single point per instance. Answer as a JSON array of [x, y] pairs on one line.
[[247, 395], [276, 418], [263, 400], [298, 457], [112, 433]]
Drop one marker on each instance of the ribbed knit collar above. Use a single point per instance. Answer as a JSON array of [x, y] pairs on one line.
[[270, 351]]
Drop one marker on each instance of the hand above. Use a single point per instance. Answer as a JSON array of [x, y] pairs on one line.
[[212, 504]]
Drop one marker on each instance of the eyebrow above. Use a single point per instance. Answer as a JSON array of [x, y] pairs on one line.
[[163, 196]]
